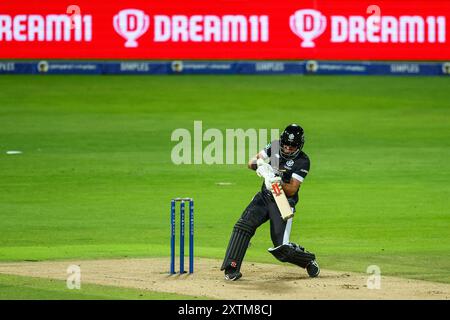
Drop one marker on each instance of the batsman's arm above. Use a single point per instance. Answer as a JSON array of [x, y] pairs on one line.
[[292, 187]]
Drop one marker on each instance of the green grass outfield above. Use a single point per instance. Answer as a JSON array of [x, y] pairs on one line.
[[29, 288], [95, 177]]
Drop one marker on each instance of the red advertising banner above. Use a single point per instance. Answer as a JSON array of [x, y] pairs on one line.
[[226, 29]]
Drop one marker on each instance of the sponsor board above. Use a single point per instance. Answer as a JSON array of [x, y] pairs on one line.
[[191, 67], [269, 30]]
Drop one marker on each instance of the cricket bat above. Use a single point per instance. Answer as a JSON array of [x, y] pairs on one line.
[[281, 201]]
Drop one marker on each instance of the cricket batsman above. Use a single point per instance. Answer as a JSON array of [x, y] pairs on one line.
[[281, 163]]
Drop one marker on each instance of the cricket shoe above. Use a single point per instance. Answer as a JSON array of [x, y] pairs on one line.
[[232, 275], [313, 269]]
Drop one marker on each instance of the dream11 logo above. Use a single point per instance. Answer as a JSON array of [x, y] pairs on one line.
[[131, 24], [308, 24]]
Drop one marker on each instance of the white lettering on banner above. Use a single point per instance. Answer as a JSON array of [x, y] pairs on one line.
[[339, 29], [162, 28], [377, 29], [195, 28], [357, 29], [269, 66], [134, 66], [52, 27], [373, 28], [405, 68], [412, 29], [19, 27], [237, 25], [35, 28], [406, 29], [208, 28], [56, 23], [8, 66], [212, 28], [389, 25]]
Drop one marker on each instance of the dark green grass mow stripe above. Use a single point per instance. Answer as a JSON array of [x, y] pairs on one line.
[[95, 176]]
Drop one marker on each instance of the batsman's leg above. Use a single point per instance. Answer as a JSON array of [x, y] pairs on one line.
[[287, 251], [254, 215], [237, 247], [293, 253]]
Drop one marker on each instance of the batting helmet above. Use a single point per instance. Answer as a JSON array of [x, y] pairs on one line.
[[293, 136]]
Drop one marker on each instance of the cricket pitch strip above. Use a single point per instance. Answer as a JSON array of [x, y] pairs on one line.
[[260, 281]]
